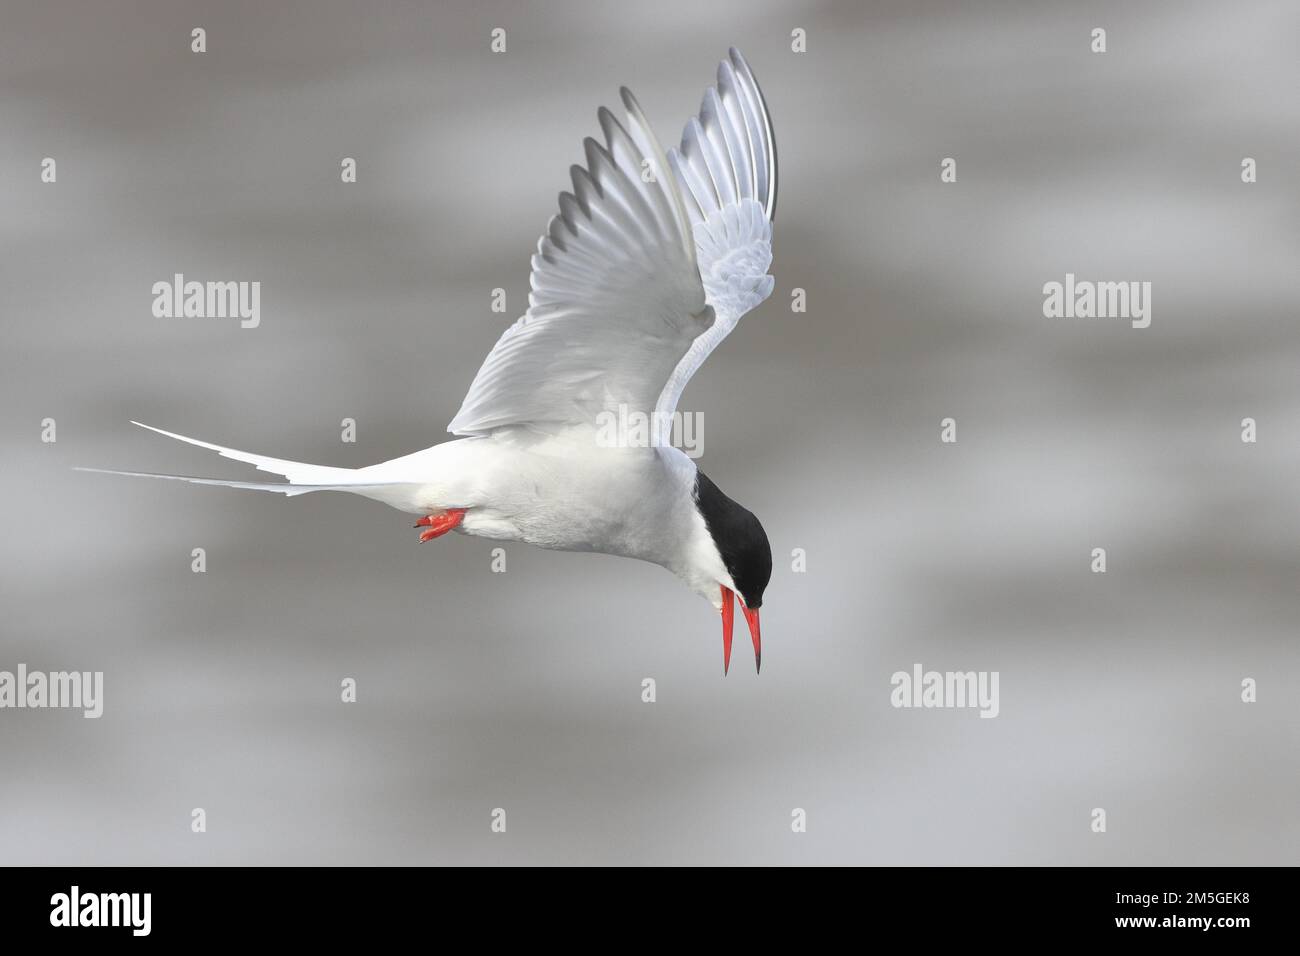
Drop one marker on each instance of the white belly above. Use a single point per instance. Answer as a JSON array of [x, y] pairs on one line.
[[560, 491]]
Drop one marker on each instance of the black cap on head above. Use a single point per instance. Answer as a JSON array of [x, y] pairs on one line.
[[739, 538]]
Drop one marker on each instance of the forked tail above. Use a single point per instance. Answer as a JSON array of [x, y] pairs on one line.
[[303, 478]]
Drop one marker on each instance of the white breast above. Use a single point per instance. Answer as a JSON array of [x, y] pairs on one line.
[[561, 490]]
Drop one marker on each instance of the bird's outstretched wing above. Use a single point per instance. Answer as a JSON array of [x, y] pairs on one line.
[[650, 263]]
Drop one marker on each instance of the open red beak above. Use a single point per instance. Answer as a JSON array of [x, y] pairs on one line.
[[728, 619]]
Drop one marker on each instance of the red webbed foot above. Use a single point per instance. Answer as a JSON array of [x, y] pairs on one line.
[[440, 524]]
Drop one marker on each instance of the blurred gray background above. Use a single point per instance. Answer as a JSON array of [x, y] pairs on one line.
[[522, 690]]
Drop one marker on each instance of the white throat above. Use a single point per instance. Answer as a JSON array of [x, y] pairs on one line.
[[697, 562]]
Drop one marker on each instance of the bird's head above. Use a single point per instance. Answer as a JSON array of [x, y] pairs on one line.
[[740, 563]]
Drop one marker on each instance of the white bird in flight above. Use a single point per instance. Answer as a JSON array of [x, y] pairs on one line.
[[650, 263]]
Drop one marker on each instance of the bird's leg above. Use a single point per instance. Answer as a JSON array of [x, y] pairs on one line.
[[440, 523]]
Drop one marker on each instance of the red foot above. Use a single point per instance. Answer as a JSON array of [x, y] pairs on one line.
[[440, 524]]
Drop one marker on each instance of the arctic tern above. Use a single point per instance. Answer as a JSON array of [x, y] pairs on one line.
[[650, 263]]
